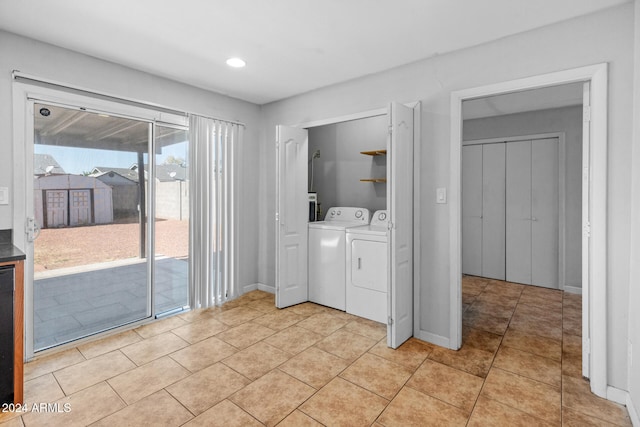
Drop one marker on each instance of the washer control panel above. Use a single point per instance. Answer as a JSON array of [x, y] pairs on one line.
[[357, 215]]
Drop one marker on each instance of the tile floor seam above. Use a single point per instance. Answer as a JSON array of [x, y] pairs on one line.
[[520, 410], [439, 399], [297, 408], [166, 389], [119, 397], [364, 388]]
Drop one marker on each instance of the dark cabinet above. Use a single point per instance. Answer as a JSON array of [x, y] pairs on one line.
[[11, 329], [7, 281]]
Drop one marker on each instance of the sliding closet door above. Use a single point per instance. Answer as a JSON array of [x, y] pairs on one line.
[[544, 212], [472, 210], [518, 212], [493, 211], [532, 212]]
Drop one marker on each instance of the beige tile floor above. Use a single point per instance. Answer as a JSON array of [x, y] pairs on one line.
[[250, 364]]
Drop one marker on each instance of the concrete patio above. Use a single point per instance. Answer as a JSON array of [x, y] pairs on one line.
[[72, 303]]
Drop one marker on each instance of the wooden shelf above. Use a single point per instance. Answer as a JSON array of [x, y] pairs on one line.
[[373, 180], [374, 153]]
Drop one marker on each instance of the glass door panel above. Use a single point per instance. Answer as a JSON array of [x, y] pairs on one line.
[[90, 198], [171, 287]]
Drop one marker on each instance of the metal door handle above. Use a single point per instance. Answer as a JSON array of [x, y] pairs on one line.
[[32, 229], [359, 263]]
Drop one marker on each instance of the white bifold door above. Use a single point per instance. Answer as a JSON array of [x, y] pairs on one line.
[[292, 285], [292, 213], [510, 203]]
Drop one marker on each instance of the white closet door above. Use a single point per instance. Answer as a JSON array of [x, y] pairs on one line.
[[400, 205], [544, 212], [518, 212], [493, 211], [472, 210], [292, 286]]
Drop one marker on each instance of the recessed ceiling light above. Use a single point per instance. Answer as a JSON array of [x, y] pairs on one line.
[[236, 62]]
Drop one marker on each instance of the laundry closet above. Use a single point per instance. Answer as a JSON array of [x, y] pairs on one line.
[[344, 216]]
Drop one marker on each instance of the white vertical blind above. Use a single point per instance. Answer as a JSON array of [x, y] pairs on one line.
[[213, 205]]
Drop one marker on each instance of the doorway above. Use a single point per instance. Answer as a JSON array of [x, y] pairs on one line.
[[106, 199], [292, 147], [594, 178]]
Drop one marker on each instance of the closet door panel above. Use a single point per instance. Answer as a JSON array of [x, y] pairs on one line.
[[518, 212], [544, 212], [472, 210], [493, 211]]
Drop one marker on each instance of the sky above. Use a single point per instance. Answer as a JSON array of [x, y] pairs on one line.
[[75, 161]]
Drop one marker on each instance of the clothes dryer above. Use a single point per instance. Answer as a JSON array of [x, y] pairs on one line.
[[367, 269]]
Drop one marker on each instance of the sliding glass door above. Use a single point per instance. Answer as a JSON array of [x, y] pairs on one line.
[[171, 272], [98, 263]]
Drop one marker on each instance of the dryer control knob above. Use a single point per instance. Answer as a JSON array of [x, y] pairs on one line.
[[382, 216], [358, 214]]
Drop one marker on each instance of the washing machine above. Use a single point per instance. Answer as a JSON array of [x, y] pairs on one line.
[[327, 254], [367, 268]]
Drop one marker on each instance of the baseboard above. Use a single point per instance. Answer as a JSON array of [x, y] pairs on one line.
[[249, 288], [266, 288], [573, 289], [633, 414], [616, 395], [433, 338], [259, 287]]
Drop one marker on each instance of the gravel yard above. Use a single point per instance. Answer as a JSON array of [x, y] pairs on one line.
[[68, 247]]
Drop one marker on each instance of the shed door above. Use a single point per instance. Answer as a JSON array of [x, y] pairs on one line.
[[400, 205], [79, 207], [292, 210], [56, 208]]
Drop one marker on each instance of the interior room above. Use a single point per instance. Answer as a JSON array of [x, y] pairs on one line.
[[168, 206]]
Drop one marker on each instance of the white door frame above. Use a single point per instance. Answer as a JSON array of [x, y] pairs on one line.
[[25, 95], [594, 238], [417, 132]]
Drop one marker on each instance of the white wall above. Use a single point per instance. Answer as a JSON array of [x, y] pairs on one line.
[[341, 166], [634, 288], [569, 121], [43, 60], [591, 39]]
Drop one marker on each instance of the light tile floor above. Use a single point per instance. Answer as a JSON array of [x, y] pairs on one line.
[[250, 364], [80, 301]]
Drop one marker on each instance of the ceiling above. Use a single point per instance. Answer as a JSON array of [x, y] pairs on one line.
[[290, 46]]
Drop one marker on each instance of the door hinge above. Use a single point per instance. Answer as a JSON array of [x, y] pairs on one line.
[[585, 173], [277, 216], [586, 345], [390, 129], [389, 321], [587, 229], [277, 145], [389, 225], [586, 114]]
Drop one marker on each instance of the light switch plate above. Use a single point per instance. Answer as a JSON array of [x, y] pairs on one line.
[[441, 195], [4, 195]]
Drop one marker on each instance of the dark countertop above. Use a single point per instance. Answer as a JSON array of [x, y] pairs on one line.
[[9, 253]]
